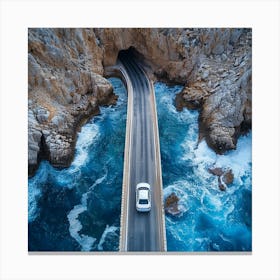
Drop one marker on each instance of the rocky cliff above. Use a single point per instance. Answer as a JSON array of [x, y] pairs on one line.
[[221, 87], [65, 88], [66, 84]]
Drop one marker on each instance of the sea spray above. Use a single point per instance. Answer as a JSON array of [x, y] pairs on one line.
[[75, 225], [210, 220], [70, 208]]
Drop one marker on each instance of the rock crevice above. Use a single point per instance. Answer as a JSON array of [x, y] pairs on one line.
[[66, 84]]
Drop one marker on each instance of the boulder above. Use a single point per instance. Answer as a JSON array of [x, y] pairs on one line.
[[171, 205], [60, 152], [225, 177], [228, 177], [42, 115], [191, 97], [216, 171], [103, 90]]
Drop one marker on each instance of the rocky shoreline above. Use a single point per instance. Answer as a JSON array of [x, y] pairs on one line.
[[64, 91], [66, 84], [221, 89]]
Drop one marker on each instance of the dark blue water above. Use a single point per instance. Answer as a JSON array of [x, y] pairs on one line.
[[78, 208], [210, 220]]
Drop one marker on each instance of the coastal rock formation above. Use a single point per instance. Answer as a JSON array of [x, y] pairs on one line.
[[169, 53], [214, 65], [65, 88], [34, 141], [227, 112], [222, 88], [171, 205], [66, 84], [225, 177]]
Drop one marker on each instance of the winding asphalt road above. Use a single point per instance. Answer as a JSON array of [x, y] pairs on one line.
[[144, 231]]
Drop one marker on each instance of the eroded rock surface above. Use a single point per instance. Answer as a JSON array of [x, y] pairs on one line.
[[222, 88], [214, 64], [225, 177], [171, 205], [66, 84], [65, 88]]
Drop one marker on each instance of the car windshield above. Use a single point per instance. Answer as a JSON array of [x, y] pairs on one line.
[[143, 201], [143, 188]]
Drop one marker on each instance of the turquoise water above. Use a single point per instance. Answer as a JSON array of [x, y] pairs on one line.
[[78, 208], [210, 220]]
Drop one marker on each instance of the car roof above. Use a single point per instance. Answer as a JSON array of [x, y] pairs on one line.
[[143, 194]]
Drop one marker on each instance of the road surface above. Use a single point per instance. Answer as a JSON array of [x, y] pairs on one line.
[[144, 231]]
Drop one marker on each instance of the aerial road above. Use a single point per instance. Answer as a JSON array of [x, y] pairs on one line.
[[142, 231]]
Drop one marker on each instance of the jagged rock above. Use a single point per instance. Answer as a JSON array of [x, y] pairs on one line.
[[58, 120], [225, 177], [104, 90], [42, 115], [216, 171], [237, 61], [170, 53], [223, 113], [224, 57], [34, 138], [60, 153], [228, 177], [235, 35], [191, 97], [205, 74], [76, 98], [218, 49], [226, 111], [34, 142], [93, 102], [66, 65], [171, 205]]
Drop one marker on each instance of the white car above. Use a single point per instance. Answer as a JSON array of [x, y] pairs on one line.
[[143, 197]]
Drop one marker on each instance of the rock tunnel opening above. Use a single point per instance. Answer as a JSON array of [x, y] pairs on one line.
[[132, 52]]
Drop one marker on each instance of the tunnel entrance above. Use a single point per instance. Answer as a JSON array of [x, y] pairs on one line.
[[132, 53]]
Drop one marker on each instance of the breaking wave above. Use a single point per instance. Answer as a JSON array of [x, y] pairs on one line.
[[75, 227], [210, 220], [69, 209]]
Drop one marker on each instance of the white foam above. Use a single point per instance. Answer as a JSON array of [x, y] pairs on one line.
[[186, 116], [85, 138], [34, 192], [204, 155], [107, 230], [85, 241], [211, 202], [238, 160], [190, 143], [202, 190], [75, 225]]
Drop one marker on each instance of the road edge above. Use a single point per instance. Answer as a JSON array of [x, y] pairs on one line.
[[119, 71], [158, 156]]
